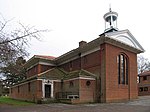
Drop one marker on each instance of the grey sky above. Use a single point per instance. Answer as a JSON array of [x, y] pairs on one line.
[[71, 21]]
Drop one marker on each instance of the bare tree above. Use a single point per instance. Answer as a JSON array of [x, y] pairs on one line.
[[13, 43], [143, 64]]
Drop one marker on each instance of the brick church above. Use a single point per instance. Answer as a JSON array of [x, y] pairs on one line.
[[102, 70]]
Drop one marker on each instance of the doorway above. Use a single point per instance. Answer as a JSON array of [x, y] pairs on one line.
[[47, 91]]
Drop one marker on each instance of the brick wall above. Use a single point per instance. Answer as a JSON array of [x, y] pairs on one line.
[[32, 71], [37, 69], [144, 85], [115, 91], [30, 91], [87, 93], [144, 79], [143, 90], [74, 87], [88, 62]]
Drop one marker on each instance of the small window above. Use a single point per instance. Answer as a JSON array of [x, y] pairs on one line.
[[145, 78], [70, 97], [88, 83], [71, 65], [145, 88], [141, 89], [76, 96], [71, 84]]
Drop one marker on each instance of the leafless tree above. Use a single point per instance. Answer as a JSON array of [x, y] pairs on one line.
[[13, 46], [143, 64], [13, 43]]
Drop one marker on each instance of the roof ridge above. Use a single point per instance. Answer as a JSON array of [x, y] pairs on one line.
[[45, 57]]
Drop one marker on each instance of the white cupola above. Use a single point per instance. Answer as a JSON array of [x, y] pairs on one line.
[[111, 21]]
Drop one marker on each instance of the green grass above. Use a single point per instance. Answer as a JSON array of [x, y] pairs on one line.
[[9, 101]]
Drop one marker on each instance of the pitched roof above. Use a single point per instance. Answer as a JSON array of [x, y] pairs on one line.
[[112, 38], [104, 38], [125, 37], [146, 73], [45, 57], [53, 74], [58, 74], [36, 58], [79, 73]]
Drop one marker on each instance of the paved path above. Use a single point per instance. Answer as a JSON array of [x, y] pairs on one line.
[[140, 105]]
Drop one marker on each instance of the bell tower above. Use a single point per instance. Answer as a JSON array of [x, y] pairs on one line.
[[111, 21]]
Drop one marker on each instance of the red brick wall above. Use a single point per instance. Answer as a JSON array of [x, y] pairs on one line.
[[57, 88], [89, 62], [115, 91], [37, 69], [142, 81], [73, 88], [44, 68], [143, 90], [32, 71], [87, 93], [65, 66], [143, 86], [23, 92]]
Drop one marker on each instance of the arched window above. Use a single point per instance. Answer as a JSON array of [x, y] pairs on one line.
[[122, 69], [71, 84]]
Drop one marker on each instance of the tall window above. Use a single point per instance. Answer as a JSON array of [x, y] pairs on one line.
[[18, 89], [29, 87], [71, 65], [122, 69]]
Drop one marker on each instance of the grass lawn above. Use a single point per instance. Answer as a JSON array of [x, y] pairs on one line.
[[9, 101]]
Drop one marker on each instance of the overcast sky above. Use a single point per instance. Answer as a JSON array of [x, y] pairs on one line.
[[71, 21]]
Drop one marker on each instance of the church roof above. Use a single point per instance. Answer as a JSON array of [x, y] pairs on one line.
[[79, 73], [39, 58], [45, 57], [105, 38], [53, 74], [125, 37], [59, 74], [146, 73]]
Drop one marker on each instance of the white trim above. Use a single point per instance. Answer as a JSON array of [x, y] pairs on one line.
[[45, 63], [126, 33], [48, 82]]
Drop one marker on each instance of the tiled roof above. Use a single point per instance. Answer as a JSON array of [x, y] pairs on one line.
[[45, 57], [144, 73], [58, 74], [53, 74], [80, 73]]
